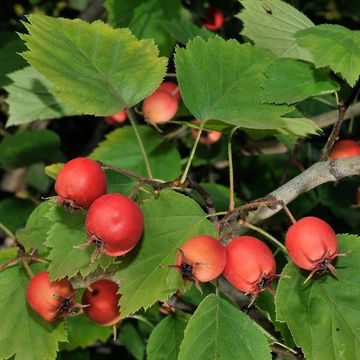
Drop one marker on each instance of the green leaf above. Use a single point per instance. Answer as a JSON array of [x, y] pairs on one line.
[[67, 232], [169, 221], [14, 212], [10, 46], [334, 46], [37, 179], [28, 147], [53, 170], [218, 330], [222, 80], [120, 13], [290, 81], [130, 337], [272, 25], [164, 341], [23, 333], [121, 149], [29, 98], [37, 226], [82, 332], [183, 31], [94, 69], [323, 315]]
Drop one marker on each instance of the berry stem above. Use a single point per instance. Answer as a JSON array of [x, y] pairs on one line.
[[289, 214], [132, 118], [265, 233], [27, 268], [7, 231], [231, 170], [193, 150]]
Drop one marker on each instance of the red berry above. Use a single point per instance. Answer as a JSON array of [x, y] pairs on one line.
[[206, 137], [312, 245], [115, 223], [345, 148], [214, 19], [50, 300], [171, 88], [250, 265], [80, 182], [103, 298], [117, 118], [358, 195], [160, 107]]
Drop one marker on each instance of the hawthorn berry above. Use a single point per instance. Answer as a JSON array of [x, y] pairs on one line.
[[171, 88], [117, 118], [201, 259], [312, 244], [207, 137], [345, 148], [160, 107], [214, 19], [114, 223], [51, 300], [100, 302], [80, 182], [250, 265]]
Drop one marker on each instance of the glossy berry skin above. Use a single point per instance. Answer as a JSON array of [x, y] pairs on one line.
[[103, 298], [80, 182], [171, 88], [116, 221], [214, 19], [250, 265], [312, 244], [160, 107], [201, 258], [51, 300], [117, 118], [207, 137], [345, 148]]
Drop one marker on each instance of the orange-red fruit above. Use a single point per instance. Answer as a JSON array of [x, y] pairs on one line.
[[345, 148], [201, 258], [250, 265], [312, 244], [103, 298], [171, 88], [160, 107], [206, 137], [117, 118], [50, 300], [214, 19], [80, 182], [115, 222]]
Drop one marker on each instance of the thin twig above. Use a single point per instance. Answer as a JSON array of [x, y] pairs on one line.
[[231, 171]]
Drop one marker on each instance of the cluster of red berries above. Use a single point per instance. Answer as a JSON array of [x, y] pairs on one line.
[[249, 265]]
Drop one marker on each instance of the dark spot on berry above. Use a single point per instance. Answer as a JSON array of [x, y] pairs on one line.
[[66, 306], [322, 267], [263, 283], [186, 271]]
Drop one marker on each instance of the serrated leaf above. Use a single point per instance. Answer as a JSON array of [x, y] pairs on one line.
[[82, 332], [218, 330], [120, 13], [94, 68], [271, 24], [67, 232], [164, 341], [169, 221], [222, 80], [183, 31], [290, 81], [28, 147], [29, 98], [334, 46], [121, 149], [23, 333], [37, 226], [324, 314]]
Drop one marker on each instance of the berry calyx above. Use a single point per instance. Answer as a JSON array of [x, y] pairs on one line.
[[207, 137], [312, 245], [101, 301], [117, 118], [214, 19], [79, 183], [345, 148], [160, 107], [114, 223], [51, 300], [201, 259], [250, 265], [171, 88]]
